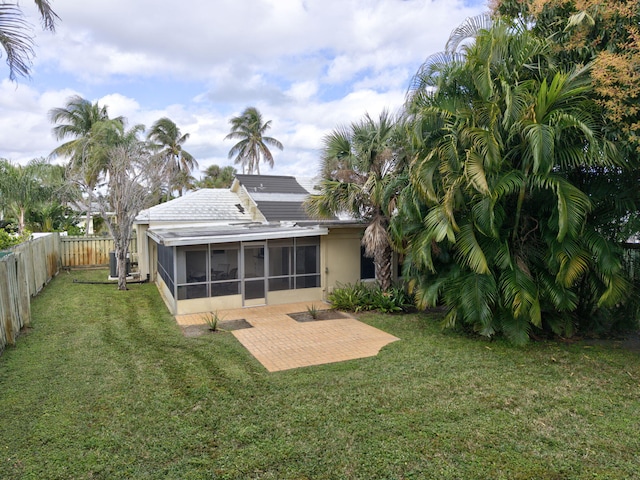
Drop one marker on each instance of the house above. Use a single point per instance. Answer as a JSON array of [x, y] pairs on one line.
[[251, 244]]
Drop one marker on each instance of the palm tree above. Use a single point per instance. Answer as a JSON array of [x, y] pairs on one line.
[[492, 224], [360, 167], [253, 145], [15, 36], [167, 140], [21, 188], [77, 120], [216, 177]]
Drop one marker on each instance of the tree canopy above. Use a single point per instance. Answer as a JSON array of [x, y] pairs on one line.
[[493, 224], [253, 145]]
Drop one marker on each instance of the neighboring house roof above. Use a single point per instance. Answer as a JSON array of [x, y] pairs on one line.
[[279, 198], [205, 205]]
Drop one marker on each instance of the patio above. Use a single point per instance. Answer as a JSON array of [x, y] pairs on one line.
[[279, 342]]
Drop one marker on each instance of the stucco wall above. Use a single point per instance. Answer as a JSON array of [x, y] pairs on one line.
[[340, 257]]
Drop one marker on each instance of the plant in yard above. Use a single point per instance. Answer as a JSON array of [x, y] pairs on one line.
[[494, 225], [213, 319], [361, 176], [361, 297], [313, 311]]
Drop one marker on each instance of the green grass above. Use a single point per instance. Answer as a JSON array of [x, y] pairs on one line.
[[105, 386]]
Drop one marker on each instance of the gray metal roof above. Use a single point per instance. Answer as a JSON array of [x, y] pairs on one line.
[[279, 198], [230, 233], [206, 205], [271, 184]]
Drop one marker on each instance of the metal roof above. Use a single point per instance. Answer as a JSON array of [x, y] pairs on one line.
[[271, 184], [180, 236], [279, 198]]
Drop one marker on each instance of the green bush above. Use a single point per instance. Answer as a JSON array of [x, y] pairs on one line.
[[361, 296], [8, 240]]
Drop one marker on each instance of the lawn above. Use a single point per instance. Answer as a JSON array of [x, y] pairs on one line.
[[104, 385]]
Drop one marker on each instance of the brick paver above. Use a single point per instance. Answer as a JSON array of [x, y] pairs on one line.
[[280, 343]]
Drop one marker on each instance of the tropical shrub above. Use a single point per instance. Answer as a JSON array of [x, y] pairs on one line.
[[8, 240], [363, 296], [495, 225]]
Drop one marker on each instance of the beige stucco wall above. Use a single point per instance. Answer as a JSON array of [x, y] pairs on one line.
[[198, 305], [340, 258], [143, 250]]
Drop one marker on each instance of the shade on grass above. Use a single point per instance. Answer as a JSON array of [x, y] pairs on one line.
[[106, 386]]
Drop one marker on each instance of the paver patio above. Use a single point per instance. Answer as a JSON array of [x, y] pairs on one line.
[[280, 343]]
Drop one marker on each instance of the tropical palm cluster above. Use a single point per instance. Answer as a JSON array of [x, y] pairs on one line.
[[493, 185]]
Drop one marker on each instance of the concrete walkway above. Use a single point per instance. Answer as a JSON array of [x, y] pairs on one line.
[[280, 343]]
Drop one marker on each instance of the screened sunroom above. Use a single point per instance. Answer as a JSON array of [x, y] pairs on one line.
[[205, 269]]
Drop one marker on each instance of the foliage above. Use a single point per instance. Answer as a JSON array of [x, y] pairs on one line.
[[361, 176], [493, 225], [82, 122], [25, 188], [606, 35], [253, 146], [15, 35], [128, 396], [216, 177], [364, 296], [312, 310], [213, 319], [166, 141], [8, 240]]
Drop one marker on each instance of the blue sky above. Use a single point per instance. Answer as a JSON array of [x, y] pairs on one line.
[[308, 65]]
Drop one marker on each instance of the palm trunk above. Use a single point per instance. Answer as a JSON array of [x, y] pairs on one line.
[[21, 222], [383, 264]]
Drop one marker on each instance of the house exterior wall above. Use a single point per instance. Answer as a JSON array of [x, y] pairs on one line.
[[340, 258], [143, 250]]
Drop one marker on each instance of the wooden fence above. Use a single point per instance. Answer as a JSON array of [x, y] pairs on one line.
[[91, 251], [24, 271]]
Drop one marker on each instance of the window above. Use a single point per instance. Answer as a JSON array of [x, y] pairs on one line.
[[224, 270], [165, 266], [281, 265], [294, 263], [367, 267], [192, 274]]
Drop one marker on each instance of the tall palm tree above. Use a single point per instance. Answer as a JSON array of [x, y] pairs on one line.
[[253, 145], [77, 120], [493, 225], [167, 140], [360, 167], [15, 37]]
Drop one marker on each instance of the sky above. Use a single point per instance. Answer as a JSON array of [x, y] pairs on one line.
[[309, 66]]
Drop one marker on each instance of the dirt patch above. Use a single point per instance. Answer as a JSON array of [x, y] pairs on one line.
[[320, 315], [192, 331], [630, 341]]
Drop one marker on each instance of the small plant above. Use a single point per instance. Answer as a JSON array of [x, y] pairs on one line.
[[313, 312], [212, 319]]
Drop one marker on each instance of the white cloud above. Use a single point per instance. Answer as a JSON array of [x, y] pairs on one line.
[[308, 65]]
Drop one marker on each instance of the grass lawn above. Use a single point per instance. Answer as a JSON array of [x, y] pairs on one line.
[[104, 385]]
